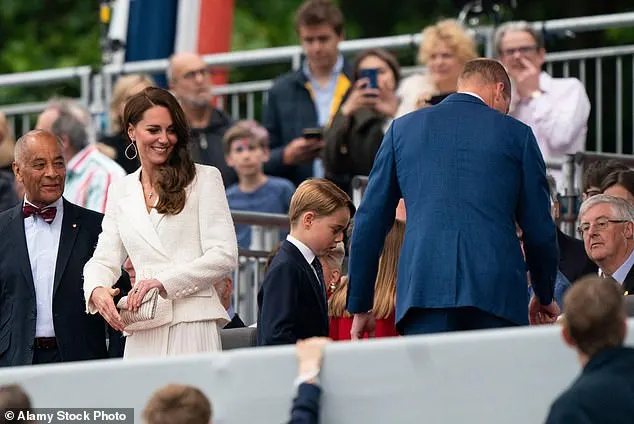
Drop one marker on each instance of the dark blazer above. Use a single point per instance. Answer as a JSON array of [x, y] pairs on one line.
[[467, 174], [306, 405], [603, 392], [292, 304], [351, 145], [236, 322], [80, 336], [289, 110], [573, 260]]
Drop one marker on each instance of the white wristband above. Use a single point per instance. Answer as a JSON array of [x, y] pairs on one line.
[[312, 374]]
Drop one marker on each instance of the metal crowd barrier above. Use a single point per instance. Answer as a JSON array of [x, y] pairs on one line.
[[232, 97], [267, 230]]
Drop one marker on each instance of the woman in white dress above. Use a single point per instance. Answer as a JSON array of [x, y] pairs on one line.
[[172, 219]]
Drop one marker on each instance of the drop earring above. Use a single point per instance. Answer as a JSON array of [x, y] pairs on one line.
[[131, 156]]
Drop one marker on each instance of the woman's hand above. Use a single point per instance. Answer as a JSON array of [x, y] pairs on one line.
[[360, 97], [387, 103], [103, 299], [140, 289]]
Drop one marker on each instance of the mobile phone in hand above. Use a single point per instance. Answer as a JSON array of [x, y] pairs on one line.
[[313, 133], [371, 74]]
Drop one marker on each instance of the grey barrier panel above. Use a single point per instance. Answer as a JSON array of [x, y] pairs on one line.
[[484, 377]]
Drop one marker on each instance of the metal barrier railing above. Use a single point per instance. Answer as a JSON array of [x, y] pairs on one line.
[[230, 95], [266, 231]]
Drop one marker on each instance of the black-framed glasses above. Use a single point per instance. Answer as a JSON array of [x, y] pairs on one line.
[[521, 50], [599, 225]]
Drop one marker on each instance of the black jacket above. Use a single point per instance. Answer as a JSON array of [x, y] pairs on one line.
[[289, 110], [207, 147], [573, 261], [80, 336], [8, 196], [602, 394], [291, 302]]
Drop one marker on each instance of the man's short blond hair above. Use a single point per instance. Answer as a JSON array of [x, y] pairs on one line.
[[320, 196], [594, 314], [487, 71], [176, 403]]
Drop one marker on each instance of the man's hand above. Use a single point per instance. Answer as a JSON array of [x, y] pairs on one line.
[[526, 80], [361, 324], [539, 314], [301, 150]]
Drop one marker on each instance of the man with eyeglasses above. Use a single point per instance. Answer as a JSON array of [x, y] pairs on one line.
[[189, 81], [607, 228], [556, 109]]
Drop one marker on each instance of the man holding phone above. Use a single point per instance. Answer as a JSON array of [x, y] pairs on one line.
[[301, 103]]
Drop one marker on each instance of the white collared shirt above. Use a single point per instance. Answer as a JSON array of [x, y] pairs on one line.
[[42, 242], [621, 273], [472, 94], [306, 252]]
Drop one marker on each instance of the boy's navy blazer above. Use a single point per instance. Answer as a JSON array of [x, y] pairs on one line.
[[291, 302]]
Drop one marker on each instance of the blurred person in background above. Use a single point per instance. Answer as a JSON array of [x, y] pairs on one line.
[[125, 87], [89, 172], [595, 327], [190, 81], [8, 194], [178, 404], [595, 173], [357, 129], [308, 98], [556, 109], [332, 264], [445, 48], [619, 184]]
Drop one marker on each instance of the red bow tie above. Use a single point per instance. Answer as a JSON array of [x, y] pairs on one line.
[[47, 214]]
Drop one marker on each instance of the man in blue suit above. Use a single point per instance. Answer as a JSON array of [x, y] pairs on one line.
[[467, 173]]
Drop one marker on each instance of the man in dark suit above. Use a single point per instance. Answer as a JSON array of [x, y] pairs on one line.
[[573, 261], [607, 227], [467, 173], [44, 243], [595, 326]]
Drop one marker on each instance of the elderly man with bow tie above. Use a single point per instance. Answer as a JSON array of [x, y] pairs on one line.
[[44, 243]]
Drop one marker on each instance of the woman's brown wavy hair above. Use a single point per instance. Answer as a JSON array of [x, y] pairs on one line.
[[179, 170]]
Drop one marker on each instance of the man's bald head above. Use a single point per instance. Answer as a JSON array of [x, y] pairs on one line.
[[40, 167], [188, 78], [30, 141]]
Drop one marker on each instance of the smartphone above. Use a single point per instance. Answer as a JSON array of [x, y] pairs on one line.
[[313, 133], [371, 74]]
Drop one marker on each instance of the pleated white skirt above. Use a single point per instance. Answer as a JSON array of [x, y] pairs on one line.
[[171, 340]]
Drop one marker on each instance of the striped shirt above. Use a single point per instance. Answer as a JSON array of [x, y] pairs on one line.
[[88, 176]]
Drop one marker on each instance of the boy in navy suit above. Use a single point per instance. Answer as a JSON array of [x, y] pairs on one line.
[[292, 300]]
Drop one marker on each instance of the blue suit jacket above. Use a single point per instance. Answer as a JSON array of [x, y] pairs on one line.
[[467, 173], [291, 303]]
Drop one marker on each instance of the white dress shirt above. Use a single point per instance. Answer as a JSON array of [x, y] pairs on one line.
[[558, 117], [306, 252], [621, 273], [42, 242]]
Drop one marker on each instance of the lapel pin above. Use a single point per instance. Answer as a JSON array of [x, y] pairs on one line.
[[626, 293], [74, 225]]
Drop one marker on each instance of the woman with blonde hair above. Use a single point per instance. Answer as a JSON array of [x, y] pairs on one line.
[[116, 143], [385, 292], [445, 48]]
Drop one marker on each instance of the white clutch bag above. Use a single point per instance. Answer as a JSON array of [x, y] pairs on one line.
[[146, 311]]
